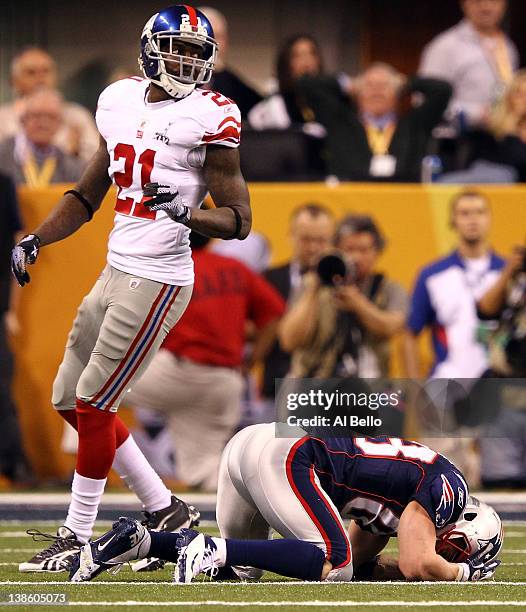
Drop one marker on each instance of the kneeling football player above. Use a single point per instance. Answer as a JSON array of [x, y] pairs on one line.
[[303, 487]]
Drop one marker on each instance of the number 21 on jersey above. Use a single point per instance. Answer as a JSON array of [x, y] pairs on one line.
[[123, 180]]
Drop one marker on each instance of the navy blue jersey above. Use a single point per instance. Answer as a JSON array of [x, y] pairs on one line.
[[371, 480]]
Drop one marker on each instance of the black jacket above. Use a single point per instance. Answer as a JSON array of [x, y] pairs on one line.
[[347, 150], [230, 85]]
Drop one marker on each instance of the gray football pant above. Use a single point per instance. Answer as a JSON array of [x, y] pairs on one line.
[[119, 327], [254, 495]]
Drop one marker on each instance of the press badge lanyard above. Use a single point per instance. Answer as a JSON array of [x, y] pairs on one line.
[[379, 139], [36, 177]]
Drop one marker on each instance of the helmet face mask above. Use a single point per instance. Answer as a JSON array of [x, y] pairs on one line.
[[477, 533], [178, 50]]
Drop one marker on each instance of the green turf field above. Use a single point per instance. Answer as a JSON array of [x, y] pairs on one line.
[[130, 591]]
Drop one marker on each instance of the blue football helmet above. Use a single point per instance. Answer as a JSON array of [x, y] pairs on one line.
[[178, 50]]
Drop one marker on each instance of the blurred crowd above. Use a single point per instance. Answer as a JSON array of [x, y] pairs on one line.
[[460, 119]]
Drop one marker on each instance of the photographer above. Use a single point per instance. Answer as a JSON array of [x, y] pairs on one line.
[[503, 447], [341, 323]]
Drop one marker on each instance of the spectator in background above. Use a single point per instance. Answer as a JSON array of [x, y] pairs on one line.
[[444, 300], [299, 56], [446, 292], [31, 157], [507, 127], [13, 464], [370, 138], [475, 56], [195, 379], [224, 80], [33, 69], [344, 330], [503, 443], [311, 234]]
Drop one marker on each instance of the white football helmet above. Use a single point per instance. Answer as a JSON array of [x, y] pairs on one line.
[[477, 533]]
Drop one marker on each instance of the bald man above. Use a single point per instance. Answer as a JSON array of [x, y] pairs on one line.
[[30, 157], [33, 69], [372, 139], [224, 80]]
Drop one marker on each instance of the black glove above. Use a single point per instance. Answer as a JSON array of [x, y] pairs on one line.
[[474, 570], [168, 199], [25, 252]]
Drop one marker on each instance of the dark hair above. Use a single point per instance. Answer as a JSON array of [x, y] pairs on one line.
[[357, 224], [313, 209], [285, 81]]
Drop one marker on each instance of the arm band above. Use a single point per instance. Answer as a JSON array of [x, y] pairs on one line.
[[83, 201], [238, 224]]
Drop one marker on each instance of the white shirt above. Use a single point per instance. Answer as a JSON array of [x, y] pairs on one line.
[[460, 56], [162, 142], [444, 299]]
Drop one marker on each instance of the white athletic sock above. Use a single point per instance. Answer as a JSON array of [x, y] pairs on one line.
[[220, 556], [133, 467], [86, 494]]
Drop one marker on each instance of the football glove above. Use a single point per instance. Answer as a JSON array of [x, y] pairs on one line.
[[473, 570], [24, 253], [168, 199]]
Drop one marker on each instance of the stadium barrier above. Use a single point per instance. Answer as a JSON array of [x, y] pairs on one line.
[[414, 219]]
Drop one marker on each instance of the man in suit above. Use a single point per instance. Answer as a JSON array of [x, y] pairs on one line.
[[31, 157], [311, 234], [369, 137]]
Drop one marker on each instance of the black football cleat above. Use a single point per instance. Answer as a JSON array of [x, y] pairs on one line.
[[57, 557]]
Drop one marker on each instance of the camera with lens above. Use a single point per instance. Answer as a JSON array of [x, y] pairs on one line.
[[334, 270]]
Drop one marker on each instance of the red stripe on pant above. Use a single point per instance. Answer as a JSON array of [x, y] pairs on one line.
[[129, 352], [336, 519], [308, 509], [321, 495], [145, 351]]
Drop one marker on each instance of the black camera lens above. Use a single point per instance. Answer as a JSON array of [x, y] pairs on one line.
[[330, 267]]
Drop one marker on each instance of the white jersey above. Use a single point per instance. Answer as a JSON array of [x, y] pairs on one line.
[[161, 142]]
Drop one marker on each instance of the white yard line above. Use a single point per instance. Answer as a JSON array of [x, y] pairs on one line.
[[16, 563], [240, 585], [301, 604]]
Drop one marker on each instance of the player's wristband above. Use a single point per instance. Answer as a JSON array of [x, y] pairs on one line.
[[239, 223], [86, 203], [463, 569]]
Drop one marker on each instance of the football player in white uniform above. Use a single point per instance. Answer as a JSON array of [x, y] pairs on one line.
[[165, 144]]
